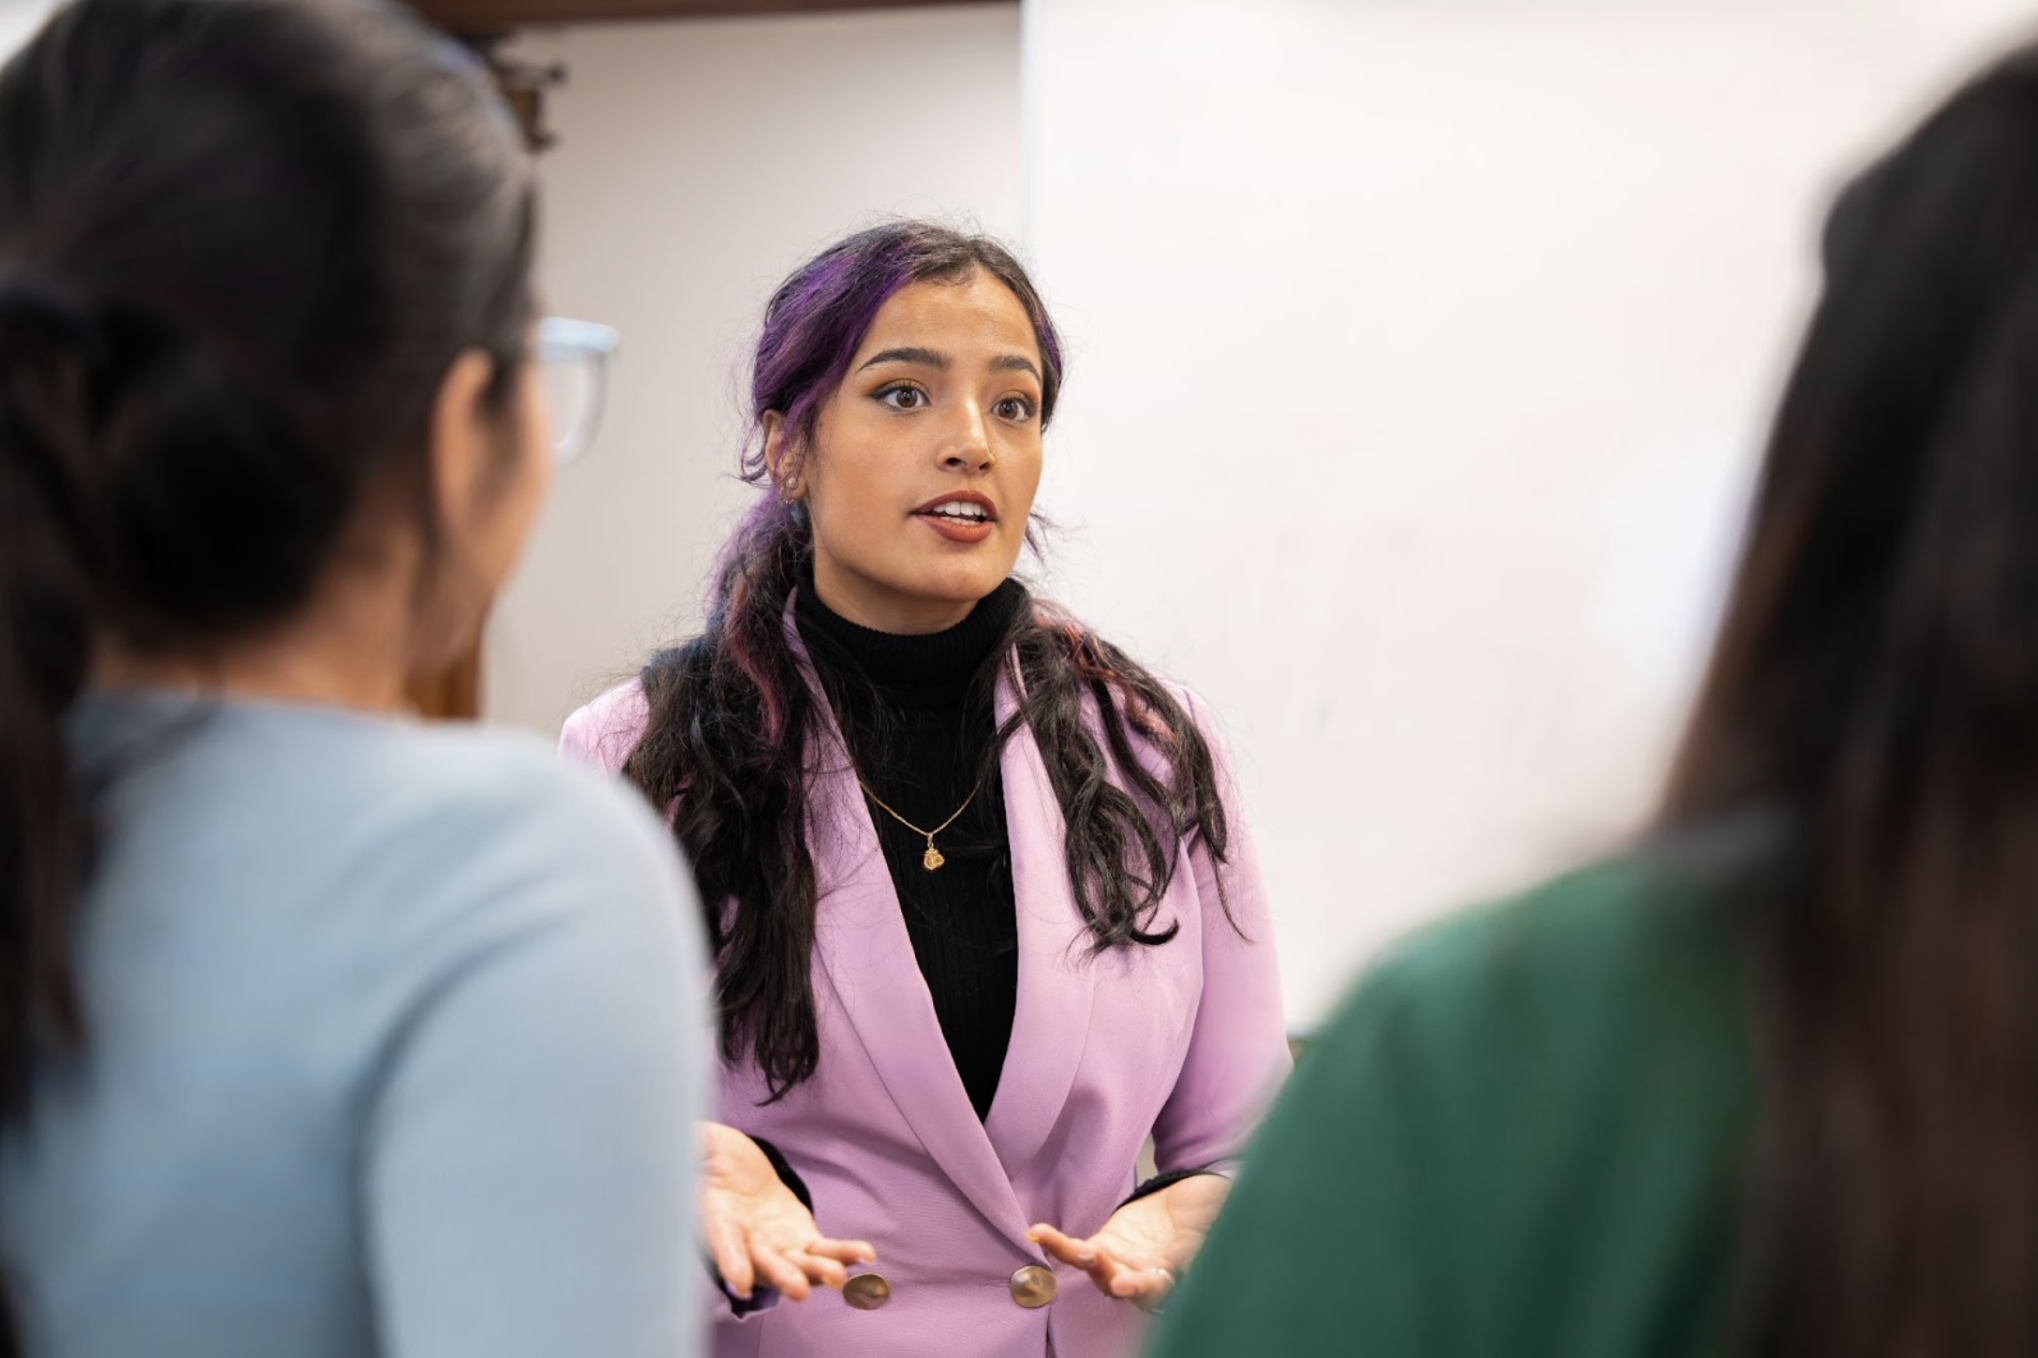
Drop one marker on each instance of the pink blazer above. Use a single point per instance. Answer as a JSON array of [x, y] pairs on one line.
[[1183, 1042]]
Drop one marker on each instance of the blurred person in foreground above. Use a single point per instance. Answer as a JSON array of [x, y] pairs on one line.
[[1768, 1083], [322, 1032], [985, 909]]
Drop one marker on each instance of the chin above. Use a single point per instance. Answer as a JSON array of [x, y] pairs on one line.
[[966, 588], [979, 576]]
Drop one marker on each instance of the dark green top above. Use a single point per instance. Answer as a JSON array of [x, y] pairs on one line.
[[1521, 1135]]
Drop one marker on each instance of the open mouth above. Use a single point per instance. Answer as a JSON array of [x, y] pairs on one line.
[[965, 517], [960, 512]]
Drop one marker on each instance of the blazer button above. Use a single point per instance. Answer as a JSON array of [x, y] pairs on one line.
[[1032, 1287], [867, 1291]]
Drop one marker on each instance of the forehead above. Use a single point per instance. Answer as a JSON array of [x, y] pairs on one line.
[[977, 316]]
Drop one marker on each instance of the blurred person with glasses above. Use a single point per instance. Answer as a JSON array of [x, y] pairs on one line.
[[322, 1031], [575, 358]]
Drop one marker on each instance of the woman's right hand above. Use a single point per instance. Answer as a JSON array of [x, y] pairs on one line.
[[754, 1228]]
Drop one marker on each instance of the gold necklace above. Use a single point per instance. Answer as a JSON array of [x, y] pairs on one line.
[[932, 859]]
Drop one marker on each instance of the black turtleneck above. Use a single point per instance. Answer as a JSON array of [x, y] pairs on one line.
[[916, 714]]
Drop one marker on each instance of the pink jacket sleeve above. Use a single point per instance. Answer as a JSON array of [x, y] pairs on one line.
[[605, 731], [1238, 1049]]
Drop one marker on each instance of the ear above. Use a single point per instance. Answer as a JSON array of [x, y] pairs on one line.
[[787, 474], [464, 436]]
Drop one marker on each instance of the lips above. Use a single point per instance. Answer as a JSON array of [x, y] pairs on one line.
[[965, 516], [966, 507]]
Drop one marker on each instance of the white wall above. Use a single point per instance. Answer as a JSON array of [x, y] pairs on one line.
[[1422, 350], [19, 20], [1420, 354], [697, 162]]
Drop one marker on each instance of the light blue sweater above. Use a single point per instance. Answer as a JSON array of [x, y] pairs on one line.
[[397, 1043]]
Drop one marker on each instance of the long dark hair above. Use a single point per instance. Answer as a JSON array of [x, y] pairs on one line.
[[1875, 688], [734, 726], [241, 242]]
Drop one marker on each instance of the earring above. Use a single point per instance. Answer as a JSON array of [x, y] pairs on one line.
[[789, 487]]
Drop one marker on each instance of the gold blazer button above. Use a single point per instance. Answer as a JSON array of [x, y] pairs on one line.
[[867, 1291], [1032, 1287]]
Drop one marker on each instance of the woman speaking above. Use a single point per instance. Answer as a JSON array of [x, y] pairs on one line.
[[984, 911]]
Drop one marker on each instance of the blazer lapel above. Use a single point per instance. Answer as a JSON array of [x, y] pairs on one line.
[[861, 938], [1057, 978]]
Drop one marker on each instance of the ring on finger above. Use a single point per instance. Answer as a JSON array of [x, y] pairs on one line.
[[1159, 1304]]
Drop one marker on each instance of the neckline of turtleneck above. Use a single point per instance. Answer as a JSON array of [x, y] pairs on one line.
[[937, 663]]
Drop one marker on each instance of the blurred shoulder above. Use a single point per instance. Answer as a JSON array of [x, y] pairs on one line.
[[484, 844], [1590, 967], [1618, 912], [507, 784]]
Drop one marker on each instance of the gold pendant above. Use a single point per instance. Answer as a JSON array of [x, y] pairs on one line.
[[932, 859]]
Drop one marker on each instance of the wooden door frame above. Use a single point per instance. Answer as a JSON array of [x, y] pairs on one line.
[[501, 16]]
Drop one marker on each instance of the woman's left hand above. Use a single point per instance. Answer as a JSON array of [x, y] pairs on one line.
[[1146, 1244]]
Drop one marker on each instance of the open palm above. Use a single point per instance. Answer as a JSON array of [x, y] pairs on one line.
[[755, 1229], [1146, 1243]]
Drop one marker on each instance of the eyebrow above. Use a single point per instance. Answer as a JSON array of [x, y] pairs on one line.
[[935, 359], [1015, 363], [926, 358]]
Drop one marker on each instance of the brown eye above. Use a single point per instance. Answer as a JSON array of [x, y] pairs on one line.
[[1015, 408], [902, 398]]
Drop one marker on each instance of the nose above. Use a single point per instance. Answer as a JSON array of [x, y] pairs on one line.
[[969, 444]]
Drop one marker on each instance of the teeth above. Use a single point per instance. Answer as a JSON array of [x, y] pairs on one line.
[[967, 513]]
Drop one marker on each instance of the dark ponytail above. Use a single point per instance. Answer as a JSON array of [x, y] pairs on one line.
[[47, 528], [241, 242], [46, 628]]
